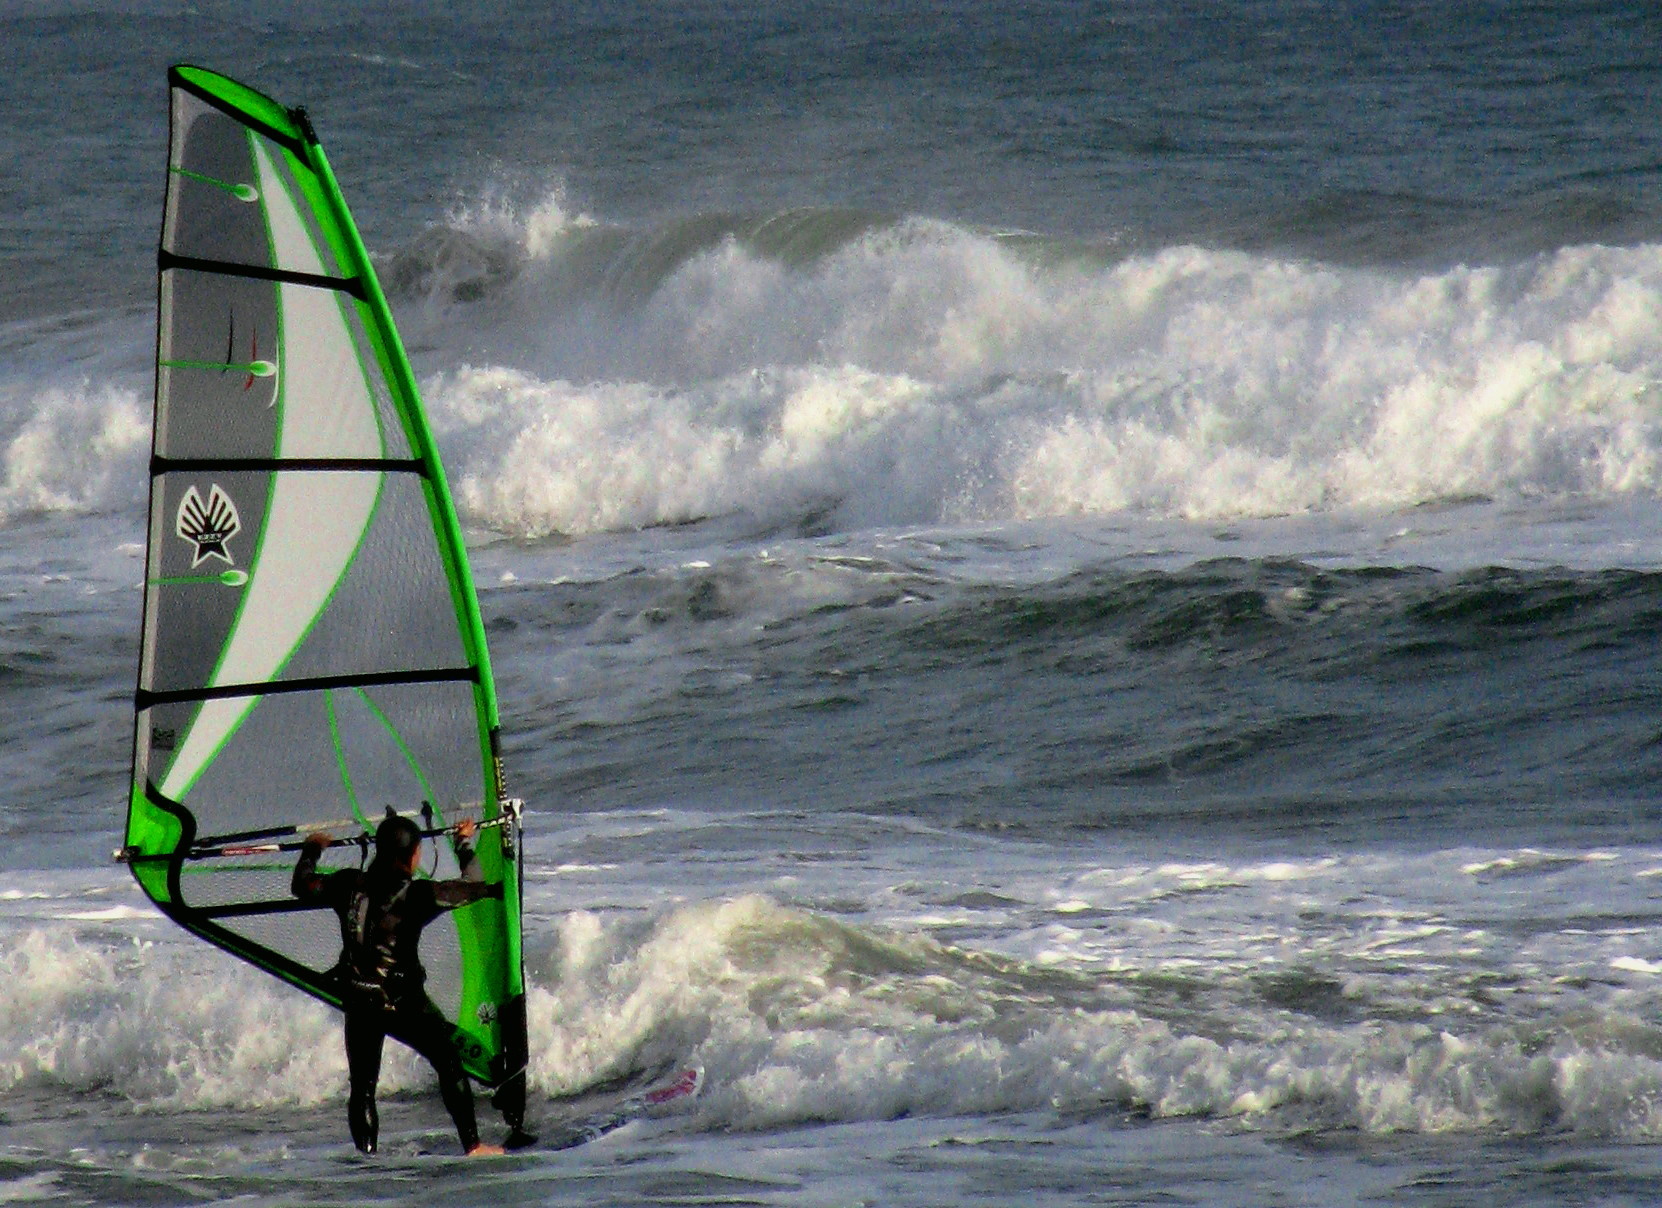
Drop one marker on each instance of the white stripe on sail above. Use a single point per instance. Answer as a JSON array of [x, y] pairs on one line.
[[328, 410], [313, 520]]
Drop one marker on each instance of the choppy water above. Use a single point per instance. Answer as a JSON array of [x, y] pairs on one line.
[[1074, 591]]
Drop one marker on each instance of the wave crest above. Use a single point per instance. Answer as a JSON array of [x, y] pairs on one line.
[[798, 1017], [864, 371], [938, 376]]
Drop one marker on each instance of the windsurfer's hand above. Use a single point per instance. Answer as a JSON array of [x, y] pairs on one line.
[[465, 829], [319, 839]]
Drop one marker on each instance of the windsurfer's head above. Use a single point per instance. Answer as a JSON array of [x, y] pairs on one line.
[[397, 842]]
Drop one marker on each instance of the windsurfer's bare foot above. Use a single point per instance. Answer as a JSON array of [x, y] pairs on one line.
[[486, 1151]]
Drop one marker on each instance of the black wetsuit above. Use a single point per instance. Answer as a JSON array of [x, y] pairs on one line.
[[383, 986]]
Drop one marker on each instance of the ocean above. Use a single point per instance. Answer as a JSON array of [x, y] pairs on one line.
[[1075, 590]]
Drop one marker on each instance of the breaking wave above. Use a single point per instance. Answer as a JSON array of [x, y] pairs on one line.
[[866, 370], [801, 1018], [897, 372]]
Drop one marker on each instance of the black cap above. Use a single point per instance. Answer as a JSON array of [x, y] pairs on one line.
[[396, 838]]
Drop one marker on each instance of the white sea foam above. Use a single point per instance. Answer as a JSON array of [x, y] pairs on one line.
[[153, 1025], [799, 1018], [1282, 998], [70, 448], [927, 374], [924, 373]]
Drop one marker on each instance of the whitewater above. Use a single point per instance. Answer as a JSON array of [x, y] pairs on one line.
[[1075, 612], [921, 373]]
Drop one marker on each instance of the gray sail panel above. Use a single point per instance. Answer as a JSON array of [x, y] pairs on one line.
[[221, 175], [204, 530], [217, 366], [213, 211], [385, 612], [390, 609], [221, 367], [330, 755]]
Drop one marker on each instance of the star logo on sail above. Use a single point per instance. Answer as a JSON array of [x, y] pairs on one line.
[[208, 526]]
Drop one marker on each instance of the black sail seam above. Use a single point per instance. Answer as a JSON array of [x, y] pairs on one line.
[[238, 909], [144, 699], [167, 261], [232, 465]]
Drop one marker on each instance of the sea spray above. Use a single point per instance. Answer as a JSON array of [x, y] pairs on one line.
[[148, 1024], [937, 377], [798, 1017], [70, 448], [1368, 992], [924, 373]]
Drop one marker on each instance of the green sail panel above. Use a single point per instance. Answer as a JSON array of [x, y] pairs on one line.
[[312, 650]]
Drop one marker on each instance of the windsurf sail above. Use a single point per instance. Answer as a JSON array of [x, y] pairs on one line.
[[312, 650]]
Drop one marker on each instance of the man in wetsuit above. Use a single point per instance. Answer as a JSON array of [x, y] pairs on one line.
[[382, 910]]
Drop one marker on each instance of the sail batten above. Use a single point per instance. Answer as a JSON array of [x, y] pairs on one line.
[[311, 643], [165, 465], [166, 261], [430, 675]]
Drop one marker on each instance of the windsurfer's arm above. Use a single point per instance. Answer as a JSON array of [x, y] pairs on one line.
[[470, 887], [308, 882], [466, 858]]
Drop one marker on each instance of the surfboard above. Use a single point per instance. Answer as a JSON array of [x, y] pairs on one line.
[[588, 1115], [602, 1110], [311, 649]]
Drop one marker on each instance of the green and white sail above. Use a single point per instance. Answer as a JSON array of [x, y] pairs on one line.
[[312, 649]]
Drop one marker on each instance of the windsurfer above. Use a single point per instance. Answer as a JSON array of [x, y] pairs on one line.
[[382, 910]]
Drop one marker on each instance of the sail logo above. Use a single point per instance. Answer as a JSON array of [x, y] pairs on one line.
[[208, 526]]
